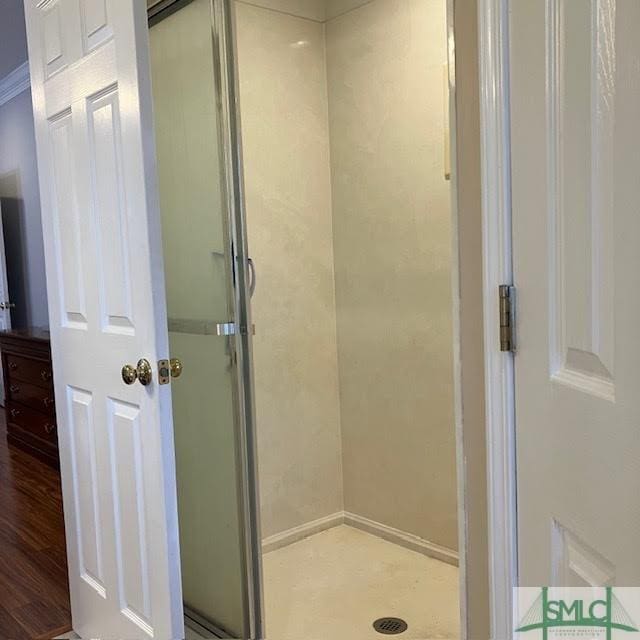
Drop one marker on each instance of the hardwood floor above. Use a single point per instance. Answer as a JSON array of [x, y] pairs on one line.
[[34, 589]]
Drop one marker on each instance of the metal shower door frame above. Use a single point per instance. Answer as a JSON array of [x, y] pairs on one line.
[[226, 66], [240, 274]]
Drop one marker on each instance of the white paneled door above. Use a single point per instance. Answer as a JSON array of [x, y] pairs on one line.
[[576, 223], [92, 105], [5, 304]]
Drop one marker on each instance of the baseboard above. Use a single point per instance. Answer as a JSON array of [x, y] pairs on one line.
[[402, 538], [285, 538]]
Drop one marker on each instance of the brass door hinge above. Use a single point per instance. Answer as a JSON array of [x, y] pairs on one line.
[[507, 297]]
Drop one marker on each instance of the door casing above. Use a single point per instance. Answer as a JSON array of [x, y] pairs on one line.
[[493, 23]]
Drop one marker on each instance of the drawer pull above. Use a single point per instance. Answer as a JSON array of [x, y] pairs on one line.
[[49, 428], [15, 413], [13, 366], [45, 375], [14, 388], [48, 402]]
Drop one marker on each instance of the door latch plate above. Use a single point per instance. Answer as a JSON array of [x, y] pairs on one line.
[[164, 372]]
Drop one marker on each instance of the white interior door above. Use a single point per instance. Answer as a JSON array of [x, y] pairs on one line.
[[576, 196], [5, 303], [5, 308], [92, 105]]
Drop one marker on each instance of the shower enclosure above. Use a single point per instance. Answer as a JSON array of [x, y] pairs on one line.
[[337, 185], [344, 128]]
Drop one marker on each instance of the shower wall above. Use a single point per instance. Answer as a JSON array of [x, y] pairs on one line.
[[392, 242], [285, 126], [349, 224]]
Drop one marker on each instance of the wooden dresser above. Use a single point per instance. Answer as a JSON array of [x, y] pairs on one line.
[[28, 388]]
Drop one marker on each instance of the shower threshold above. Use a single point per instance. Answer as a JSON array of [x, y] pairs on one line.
[[198, 627]]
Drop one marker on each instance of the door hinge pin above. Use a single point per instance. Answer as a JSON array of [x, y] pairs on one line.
[[507, 297]]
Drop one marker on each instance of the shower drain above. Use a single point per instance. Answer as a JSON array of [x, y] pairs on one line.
[[390, 626]]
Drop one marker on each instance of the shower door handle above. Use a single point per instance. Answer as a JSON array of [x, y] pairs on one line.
[[252, 276], [252, 271]]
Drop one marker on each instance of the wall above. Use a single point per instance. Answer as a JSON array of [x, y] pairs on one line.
[[471, 412], [392, 239], [389, 220], [13, 36], [283, 97], [20, 202]]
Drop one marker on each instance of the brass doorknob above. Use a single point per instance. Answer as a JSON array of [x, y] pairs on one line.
[[176, 367], [129, 374], [145, 373], [141, 372]]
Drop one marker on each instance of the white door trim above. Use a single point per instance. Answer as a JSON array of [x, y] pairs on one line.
[[497, 269]]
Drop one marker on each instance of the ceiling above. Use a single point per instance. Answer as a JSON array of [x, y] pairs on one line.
[[13, 38], [318, 10]]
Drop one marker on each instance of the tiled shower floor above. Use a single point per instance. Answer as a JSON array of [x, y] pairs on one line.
[[333, 585]]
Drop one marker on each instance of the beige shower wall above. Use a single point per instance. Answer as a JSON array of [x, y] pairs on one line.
[[343, 140], [283, 96], [392, 243]]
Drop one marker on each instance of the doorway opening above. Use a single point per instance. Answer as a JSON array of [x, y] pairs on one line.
[[344, 111], [348, 214]]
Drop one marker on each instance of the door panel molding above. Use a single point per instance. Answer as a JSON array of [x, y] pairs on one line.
[[577, 564], [580, 204], [86, 495]]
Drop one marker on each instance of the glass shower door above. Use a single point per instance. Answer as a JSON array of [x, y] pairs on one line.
[[205, 264]]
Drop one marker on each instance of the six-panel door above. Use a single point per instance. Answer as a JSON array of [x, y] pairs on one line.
[[575, 98], [92, 107]]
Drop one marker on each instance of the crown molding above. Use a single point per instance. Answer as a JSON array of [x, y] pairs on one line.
[[14, 83]]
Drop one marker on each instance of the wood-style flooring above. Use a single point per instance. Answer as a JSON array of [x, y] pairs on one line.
[[34, 589]]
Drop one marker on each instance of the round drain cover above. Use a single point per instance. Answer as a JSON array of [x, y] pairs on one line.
[[390, 626]]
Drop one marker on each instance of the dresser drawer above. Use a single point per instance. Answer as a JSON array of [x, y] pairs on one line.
[[32, 422], [38, 398], [37, 372]]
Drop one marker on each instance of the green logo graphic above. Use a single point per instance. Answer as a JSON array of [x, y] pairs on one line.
[[608, 614]]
